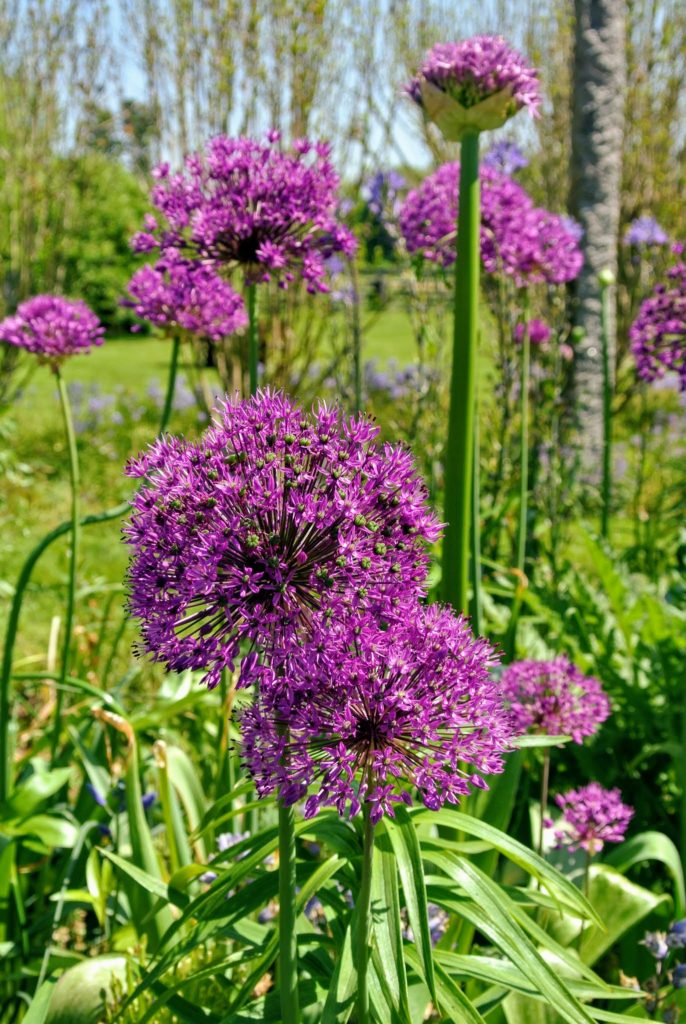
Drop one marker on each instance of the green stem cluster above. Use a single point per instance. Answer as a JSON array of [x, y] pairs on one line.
[[288, 946], [459, 459]]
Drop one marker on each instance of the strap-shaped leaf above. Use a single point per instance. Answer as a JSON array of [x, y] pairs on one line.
[[403, 836], [652, 846]]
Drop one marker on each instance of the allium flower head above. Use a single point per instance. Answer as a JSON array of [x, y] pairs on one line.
[[274, 519], [249, 203], [592, 816], [645, 231], [658, 334], [518, 239], [52, 328], [474, 85], [539, 332], [554, 698], [177, 294], [379, 714]]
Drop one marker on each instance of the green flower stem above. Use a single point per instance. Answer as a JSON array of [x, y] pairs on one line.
[[460, 446], [171, 384], [524, 439], [364, 920], [605, 298], [73, 558], [475, 534], [545, 787], [288, 947], [253, 336], [356, 326], [15, 612]]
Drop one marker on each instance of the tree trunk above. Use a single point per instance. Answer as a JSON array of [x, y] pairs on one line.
[[596, 165]]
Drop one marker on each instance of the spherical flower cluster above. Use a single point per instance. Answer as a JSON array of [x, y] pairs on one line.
[[474, 85], [52, 328], [592, 816], [539, 332], [177, 294], [248, 203], [554, 698], [381, 713], [658, 335], [645, 231], [518, 239], [274, 520]]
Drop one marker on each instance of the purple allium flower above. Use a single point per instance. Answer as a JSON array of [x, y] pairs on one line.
[[373, 715], [655, 943], [539, 332], [645, 231], [52, 328], [474, 85], [676, 939], [505, 157], [184, 295], [528, 244], [275, 518], [593, 816], [658, 334], [554, 698], [248, 203]]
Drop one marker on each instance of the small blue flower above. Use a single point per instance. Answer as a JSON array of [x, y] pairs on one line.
[[676, 937], [679, 976]]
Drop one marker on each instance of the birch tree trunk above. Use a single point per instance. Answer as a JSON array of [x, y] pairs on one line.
[[599, 87]]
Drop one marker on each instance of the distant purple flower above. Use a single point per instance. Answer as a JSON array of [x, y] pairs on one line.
[[52, 328], [592, 816], [554, 698], [273, 519], [658, 334], [483, 73], [251, 204], [539, 332], [572, 227], [518, 239], [655, 943], [645, 231], [679, 976], [381, 190], [184, 295], [676, 939], [505, 157], [380, 714]]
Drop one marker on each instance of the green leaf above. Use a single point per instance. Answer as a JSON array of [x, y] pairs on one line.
[[53, 832], [652, 846], [451, 999], [142, 878], [403, 836], [341, 996], [515, 851], [499, 925], [387, 925], [40, 1004], [34, 790], [619, 902]]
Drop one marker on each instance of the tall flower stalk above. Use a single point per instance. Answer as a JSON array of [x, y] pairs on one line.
[[606, 280], [52, 328], [73, 555], [253, 337], [467, 88], [364, 918]]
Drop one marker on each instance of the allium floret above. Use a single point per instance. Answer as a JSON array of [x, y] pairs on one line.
[[554, 698], [376, 715], [474, 85], [52, 328], [592, 816], [518, 239], [658, 335], [181, 295], [251, 204], [273, 520]]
